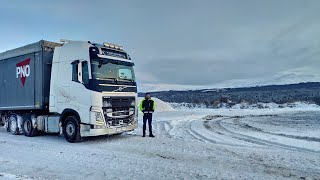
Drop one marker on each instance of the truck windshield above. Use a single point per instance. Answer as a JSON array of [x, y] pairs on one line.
[[116, 70]]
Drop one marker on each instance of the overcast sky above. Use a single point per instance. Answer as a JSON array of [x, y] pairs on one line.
[[183, 43]]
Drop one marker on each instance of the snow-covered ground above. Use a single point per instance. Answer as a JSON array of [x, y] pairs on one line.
[[190, 144]]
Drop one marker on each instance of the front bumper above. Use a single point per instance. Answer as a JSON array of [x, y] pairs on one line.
[[118, 114], [107, 130]]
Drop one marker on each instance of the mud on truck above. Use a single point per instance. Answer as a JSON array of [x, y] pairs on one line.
[[74, 88]]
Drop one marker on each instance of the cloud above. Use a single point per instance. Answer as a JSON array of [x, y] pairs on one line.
[[183, 43]]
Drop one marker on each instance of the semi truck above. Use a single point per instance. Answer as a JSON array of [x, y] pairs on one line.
[[73, 88]]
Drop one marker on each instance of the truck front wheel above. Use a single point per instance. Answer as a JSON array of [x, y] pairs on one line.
[[71, 129]]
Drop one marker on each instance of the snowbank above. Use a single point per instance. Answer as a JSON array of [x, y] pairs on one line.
[[161, 106], [12, 176], [295, 105]]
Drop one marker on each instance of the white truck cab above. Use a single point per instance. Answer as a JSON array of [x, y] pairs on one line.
[[93, 92], [98, 83]]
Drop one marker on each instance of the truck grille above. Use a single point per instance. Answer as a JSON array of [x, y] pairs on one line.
[[119, 121], [121, 102], [120, 114]]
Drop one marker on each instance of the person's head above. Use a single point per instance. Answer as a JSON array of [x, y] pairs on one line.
[[147, 96]]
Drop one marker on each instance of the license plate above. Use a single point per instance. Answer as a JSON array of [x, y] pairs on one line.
[[124, 128], [118, 129]]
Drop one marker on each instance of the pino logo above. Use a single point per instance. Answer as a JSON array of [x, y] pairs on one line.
[[23, 70]]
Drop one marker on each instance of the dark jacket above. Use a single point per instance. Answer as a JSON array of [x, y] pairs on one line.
[[147, 105]]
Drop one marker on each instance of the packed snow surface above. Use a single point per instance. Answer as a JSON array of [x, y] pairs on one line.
[[190, 144]]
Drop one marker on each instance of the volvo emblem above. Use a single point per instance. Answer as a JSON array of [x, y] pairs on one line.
[[120, 88]]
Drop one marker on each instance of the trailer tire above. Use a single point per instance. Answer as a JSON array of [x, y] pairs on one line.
[[1, 121], [27, 127], [7, 125], [71, 129], [13, 125]]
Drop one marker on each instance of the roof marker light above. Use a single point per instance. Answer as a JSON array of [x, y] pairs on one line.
[[113, 46], [64, 40]]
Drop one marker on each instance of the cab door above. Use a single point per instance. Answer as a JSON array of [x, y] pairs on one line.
[[80, 99]]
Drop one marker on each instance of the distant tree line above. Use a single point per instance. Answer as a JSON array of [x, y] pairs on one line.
[[280, 94]]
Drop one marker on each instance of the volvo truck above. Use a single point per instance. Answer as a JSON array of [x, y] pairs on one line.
[[73, 88]]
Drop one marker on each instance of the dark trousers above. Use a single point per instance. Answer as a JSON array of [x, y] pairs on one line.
[[147, 116]]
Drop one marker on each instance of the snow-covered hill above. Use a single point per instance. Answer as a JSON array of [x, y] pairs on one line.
[[279, 79], [161, 106]]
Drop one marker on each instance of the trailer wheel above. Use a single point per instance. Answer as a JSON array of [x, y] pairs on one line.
[[7, 124], [13, 125], [71, 129], [1, 121], [27, 127]]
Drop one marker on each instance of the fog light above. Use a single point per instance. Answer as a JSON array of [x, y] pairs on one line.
[[98, 127]]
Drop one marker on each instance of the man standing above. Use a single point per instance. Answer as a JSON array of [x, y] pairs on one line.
[[147, 106]]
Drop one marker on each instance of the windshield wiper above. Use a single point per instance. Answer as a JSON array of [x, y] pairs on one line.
[[114, 79], [131, 80]]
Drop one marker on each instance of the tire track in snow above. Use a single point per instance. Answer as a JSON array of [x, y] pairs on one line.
[[217, 135], [215, 127], [176, 128], [195, 128], [257, 140], [245, 125], [163, 128]]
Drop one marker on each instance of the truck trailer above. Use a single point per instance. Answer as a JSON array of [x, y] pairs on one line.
[[74, 88]]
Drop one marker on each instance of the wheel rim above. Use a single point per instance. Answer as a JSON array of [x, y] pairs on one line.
[[70, 129], [27, 126], [13, 125]]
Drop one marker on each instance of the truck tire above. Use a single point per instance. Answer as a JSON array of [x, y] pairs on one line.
[[27, 127], [7, 125], [71, 129], [13, 125], [1, 121]]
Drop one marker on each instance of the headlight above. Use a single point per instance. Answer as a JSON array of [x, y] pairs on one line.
[[99, 117], [96, 116]]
